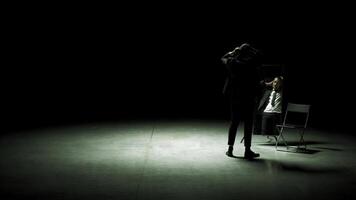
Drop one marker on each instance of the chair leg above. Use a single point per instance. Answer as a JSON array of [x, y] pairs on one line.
[[283, 139], [301, 141]]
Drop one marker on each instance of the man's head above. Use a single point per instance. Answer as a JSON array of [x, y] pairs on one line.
[[277, 83]]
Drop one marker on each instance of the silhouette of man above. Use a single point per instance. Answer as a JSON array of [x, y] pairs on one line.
[[241, 88]]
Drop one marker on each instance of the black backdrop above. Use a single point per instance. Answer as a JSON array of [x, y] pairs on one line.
[[88, 63]]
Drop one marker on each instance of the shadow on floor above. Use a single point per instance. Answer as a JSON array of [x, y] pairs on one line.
[[291, 167], [309, 169], [328, 148], [293, 147], [290, 143], [298, 150]]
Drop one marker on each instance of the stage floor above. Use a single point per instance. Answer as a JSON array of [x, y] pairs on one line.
[[171, 159]]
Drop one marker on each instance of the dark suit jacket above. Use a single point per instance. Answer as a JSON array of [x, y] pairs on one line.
[[264, 101], [242, 82]]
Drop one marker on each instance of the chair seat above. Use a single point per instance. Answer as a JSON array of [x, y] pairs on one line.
[[290, 126]]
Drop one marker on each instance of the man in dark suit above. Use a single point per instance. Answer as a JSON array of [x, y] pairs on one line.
[[241, 88]]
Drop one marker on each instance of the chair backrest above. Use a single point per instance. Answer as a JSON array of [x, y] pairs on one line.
[[298, 108], [302, 108]]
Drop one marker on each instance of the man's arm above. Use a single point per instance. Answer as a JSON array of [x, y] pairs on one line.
[[230, 55], [227, 57], [268, 83]]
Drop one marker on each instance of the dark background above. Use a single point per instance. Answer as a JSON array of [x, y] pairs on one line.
[[79, 63]]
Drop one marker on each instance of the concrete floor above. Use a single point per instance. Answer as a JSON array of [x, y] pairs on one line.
[[171, 160]]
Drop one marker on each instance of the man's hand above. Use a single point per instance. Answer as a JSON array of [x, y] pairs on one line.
[[269, 83]]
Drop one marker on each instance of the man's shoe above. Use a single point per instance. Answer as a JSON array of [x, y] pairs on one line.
[[250, 154], [229, 153]]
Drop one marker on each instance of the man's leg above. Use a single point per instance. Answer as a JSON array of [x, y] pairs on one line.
[[233, 131], [248, 133], [276, 120], [267, 123], [235, 121]]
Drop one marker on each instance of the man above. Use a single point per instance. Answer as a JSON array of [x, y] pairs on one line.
[[241, 88], [270, 106]]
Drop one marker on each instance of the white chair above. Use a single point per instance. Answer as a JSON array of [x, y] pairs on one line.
[[303, 117]]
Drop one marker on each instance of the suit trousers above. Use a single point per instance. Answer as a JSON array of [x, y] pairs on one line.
[[269, 122], [241, 111]]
